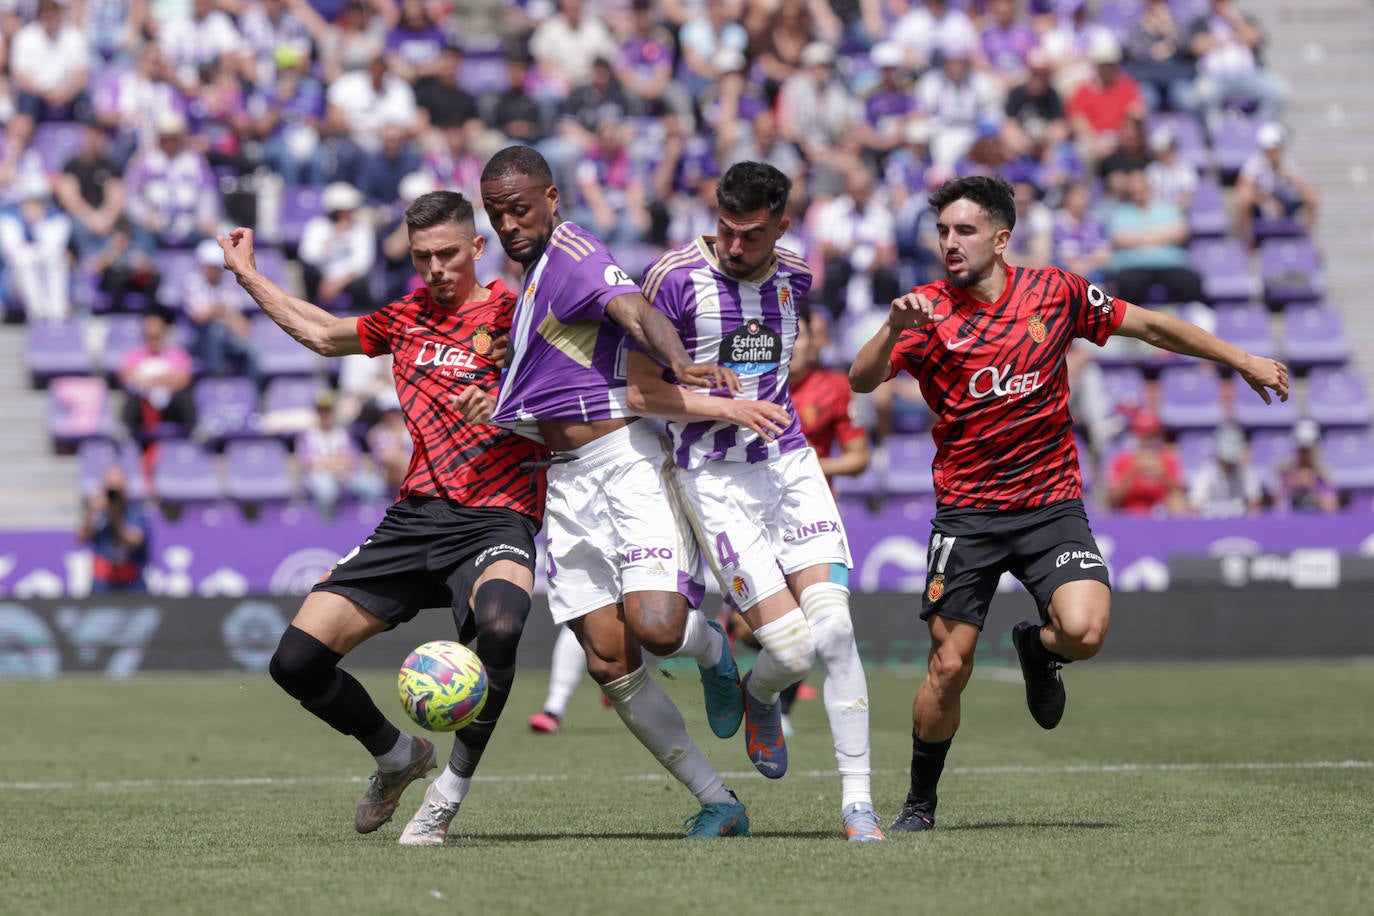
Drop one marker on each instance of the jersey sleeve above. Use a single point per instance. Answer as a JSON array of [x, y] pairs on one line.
[[1096, 315], [590, 283], [373, 332], [907, 353]]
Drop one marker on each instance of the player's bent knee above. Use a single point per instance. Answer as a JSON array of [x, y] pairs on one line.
[[658, 619], [303, 666], [501, 608]]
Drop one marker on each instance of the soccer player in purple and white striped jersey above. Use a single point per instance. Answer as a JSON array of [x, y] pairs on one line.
[[622, 566], [759, 502]]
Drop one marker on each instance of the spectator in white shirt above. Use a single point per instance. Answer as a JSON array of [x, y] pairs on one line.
[[33, 244], [49, 75], [1227, 485], [338, 250]]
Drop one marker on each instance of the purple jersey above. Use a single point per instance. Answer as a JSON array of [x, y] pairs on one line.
[[746, 326], [568, 356]]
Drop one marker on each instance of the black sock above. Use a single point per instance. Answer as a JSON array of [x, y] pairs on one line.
[[500, 609], [309, 670], [927, 763]]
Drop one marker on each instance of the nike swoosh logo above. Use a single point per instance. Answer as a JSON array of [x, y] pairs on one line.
[[413, 330], [1084, 564], [729, 825], [956, 344]]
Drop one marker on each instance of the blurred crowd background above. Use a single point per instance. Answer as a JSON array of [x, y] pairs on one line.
[[1145, 140]]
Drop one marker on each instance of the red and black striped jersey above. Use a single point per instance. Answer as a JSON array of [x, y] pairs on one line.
[[995, 376], [437, 353], [821, 398]]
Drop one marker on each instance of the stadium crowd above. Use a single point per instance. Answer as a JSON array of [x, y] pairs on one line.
[[135, 131]]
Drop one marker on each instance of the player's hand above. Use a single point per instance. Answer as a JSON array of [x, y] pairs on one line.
[[474, 404], [708, 375], [238, 251], [767, 419], [1263, 375], [499, 346], [911, 311]]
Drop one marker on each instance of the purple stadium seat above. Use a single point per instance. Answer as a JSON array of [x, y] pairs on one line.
[[1337, 398], [185, 472], [53, 348], [907, 471], [271, 264], [95, 455], [288, 405], [1245, 325], [1207, 216], [862, 486], [1347, 456], [1232, 143], [297, 206], [56, 142], [79, 408], [1119, 15], [1268, 448], [1312, 335], [174, 265], [1264, 227], [258, 471], [483, 71], [280, 354], [1291, 271], [226, 408], [1124, 387], [1225, 269], [122, 334], [1190, 397], [1249, 410], [1194, 449]]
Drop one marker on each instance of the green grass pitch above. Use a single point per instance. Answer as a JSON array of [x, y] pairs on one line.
[[1243, 788]]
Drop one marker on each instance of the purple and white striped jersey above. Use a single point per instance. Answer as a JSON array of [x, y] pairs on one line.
[[567, 356], [747, 326]]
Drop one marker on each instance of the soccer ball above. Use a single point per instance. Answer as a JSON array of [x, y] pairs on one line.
[[443, 685]]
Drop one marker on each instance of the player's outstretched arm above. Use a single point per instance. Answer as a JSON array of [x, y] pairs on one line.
[[652, 330], [872, 364], [650, 395], [326, 334], [1166, 332]]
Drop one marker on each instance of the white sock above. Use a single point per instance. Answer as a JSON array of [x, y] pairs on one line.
[[452, 786], [845, 690], [788, 650], [566, 668], [398, 756], [700, 643], [651, 717]]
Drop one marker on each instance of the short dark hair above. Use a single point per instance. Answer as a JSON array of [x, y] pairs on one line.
[[993, 194], [749, 186], [438, 207], [517, 160]]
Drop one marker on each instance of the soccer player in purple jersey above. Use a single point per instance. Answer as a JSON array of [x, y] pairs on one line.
[[622, 568], [987, 345], [757, 496]]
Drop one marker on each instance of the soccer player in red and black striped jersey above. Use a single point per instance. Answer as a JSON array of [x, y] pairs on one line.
[[988, 347], [462, 532]]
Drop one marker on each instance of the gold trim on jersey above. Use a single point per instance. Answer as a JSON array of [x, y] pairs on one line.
[[577, 341], [659, 272], [567, 242]]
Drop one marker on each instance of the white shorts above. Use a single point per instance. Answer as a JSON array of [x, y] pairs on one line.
[[613, 526], [757, 523]]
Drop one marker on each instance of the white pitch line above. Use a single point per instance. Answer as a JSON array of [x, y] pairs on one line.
[[1103, 769]]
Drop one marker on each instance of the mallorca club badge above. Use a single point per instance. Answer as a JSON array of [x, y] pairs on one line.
[[937, 587], [740, 588], [1035, 326], [481, 341]]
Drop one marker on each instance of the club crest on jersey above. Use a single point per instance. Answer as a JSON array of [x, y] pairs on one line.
[[1035, 327], [937, 587], [785, 299], [752, 349], [481, 341], [739, 588]]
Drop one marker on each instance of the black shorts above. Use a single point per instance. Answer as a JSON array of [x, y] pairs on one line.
[[1043, 548], [428, 552]]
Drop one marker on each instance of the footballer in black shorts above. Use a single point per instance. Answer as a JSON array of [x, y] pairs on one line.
[[426, 553], [1043, 547]]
